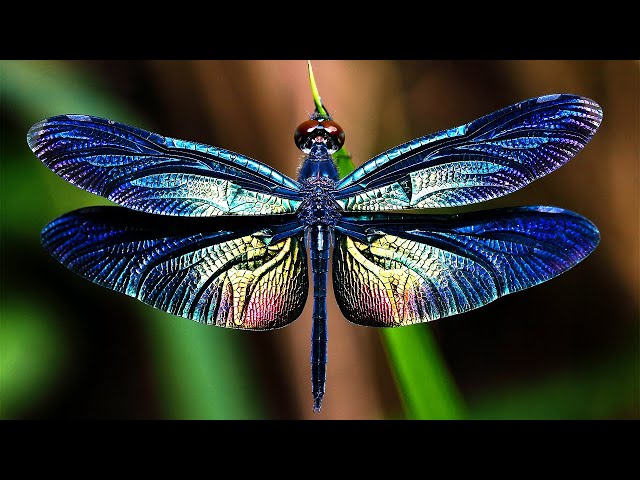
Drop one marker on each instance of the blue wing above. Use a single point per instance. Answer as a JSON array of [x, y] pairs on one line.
[[214, 271], [393, 270], [148, 172], [487, 158]]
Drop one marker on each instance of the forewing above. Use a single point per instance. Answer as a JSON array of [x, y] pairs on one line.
[[393, 270], [227, 275], [487, 158], [148, 172]]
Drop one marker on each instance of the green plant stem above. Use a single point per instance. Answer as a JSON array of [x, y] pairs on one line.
[[426, 387]]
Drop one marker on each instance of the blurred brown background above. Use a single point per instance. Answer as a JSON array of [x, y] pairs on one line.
[[571, 345]]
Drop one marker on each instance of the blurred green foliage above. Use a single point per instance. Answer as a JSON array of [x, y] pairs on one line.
[[594, 391], [203, 371], [31, 355], [200, 373]]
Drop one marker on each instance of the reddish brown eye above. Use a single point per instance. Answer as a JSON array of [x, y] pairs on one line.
[[319, 131], [303, 131], [334, 130]]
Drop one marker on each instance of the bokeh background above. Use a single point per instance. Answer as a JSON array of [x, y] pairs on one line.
[[567, 349]]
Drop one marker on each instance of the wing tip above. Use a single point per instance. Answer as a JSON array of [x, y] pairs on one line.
[[587, 224], [45, 234], [49, 237], [34, 134], [39, 129], [589, 232], [595, 234], [594, 108], [596, 111]]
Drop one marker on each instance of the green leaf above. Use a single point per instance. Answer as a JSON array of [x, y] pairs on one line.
[[343, 161]]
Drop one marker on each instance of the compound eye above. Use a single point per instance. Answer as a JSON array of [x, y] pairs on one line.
[[303, 133], [336, 135]]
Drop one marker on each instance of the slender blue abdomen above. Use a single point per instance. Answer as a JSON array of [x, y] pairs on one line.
[[319, 241]]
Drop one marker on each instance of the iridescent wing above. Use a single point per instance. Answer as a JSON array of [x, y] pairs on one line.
[[487, 158], [393, 270], [148, 172], [213, 271]]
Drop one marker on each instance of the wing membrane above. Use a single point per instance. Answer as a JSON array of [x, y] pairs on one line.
[[148, 172], [393, 270], [487, 158], [216, 273]]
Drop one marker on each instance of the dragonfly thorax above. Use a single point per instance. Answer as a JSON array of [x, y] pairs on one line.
[[319, 206], [318, 177]]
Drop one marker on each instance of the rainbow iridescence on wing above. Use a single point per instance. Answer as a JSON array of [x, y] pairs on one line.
[[414, 268], [150, 173], [185, 244], [232, 278], [484, 159]]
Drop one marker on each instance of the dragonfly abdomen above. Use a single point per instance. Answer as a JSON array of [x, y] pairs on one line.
[[319, 238]]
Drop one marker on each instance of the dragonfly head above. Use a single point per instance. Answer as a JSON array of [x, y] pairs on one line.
[[319, 130]]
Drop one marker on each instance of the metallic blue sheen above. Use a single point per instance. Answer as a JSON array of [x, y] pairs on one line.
[[148, 172], [319, 213], [206, 270], [389, 270], [484, 159], [318, 164], [462, 261]]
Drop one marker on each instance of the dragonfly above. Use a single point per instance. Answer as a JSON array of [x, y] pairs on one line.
[[223, 239]]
